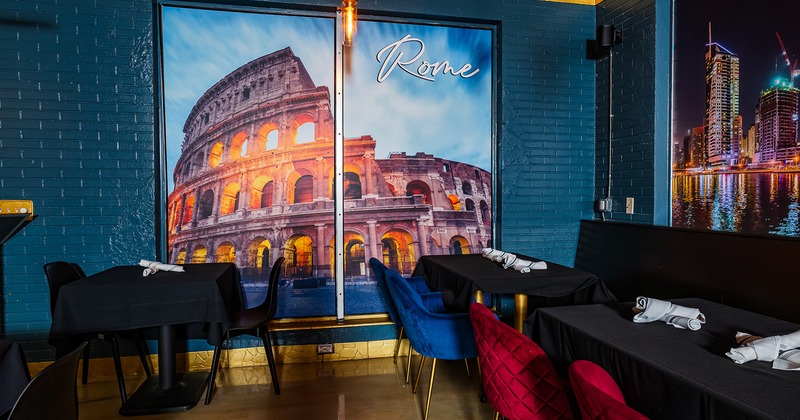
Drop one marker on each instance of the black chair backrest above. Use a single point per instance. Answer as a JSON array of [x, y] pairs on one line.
[[58, 274], [52, 394], [270, 304]]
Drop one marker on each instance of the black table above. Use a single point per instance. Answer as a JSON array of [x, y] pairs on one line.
[[122, 299], [459, 277], [14, 375], [669, 373]]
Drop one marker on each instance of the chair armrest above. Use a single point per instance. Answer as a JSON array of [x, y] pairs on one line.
[[418, 284]]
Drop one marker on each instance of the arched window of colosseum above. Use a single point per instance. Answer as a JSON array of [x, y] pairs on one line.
[[181, 257], [215, 156], [466, 187], [268, 137], [459, 245], [206, 205], [486, 213], [454, 201], [304, 189], [226, 253], [238, 146], [199, 255], [185, 172], [419, 187], [299, 256], [398, 251], [261, 192], [258, 255], [469, 204], [305, 133], [267, 194], [354, 261], [352, 186], [188, 209], [230, 199]]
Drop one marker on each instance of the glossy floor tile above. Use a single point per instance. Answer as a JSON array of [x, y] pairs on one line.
[[359, 389]]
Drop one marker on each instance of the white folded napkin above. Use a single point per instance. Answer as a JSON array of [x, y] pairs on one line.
[[788, 360], [493, 254], [523, 266], [649, 310], [766, 349], [153, 267]]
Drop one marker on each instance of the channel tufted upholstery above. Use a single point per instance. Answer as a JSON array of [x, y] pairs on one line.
[[598, 395], [518, 378]]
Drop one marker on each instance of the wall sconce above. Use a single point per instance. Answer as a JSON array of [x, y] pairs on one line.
[[349, 21]]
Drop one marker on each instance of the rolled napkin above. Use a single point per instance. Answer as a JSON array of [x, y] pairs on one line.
[[788, 360], [509, 260], [766, 349], [525, 266], [649, 310], [154, 266], [494, 254]]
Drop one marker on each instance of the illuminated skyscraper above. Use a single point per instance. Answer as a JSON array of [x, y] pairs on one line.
[[722, 103], [697, 156], [777, 116]]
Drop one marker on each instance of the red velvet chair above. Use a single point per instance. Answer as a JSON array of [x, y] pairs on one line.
[[598, 396], [519, 380]]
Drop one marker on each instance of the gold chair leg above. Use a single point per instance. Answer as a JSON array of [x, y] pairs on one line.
[[496, 415], [419, 373], [430, 390], [408, 365], [466, 363], [397, 344]]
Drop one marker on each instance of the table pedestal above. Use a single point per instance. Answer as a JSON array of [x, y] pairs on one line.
[[168, 391]]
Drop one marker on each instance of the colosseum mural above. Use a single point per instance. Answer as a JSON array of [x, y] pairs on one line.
[[254, 181]]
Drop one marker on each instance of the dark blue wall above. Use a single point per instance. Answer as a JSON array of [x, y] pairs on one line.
[[77, 131]]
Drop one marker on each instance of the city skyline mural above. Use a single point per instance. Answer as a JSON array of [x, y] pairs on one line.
[[735, 116], [250, 141]]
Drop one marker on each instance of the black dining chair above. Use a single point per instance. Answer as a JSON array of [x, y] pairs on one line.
[[53, 393], [253, 321], [60, 273]]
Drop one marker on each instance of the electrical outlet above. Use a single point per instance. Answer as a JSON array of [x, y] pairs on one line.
[[629, 205], [325, 348]]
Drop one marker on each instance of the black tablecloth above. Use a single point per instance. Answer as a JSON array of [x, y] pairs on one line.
[[458, 277], [14, 374], [120, 299], [669, 373]]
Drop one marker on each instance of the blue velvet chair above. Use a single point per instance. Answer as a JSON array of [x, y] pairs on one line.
[[445, 336], [431, 300]]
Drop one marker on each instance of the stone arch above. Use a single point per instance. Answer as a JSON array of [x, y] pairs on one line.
[[459, 245], [268, 136], [354, 256], [466, 187], [199, 254], [454, 201], [351, 179], [398, 250], [215, 155], [229, 201], [259, 253], [225, 253], [469, 204], [307, 186], [188, 209], [238, 147], [300, 125], [486, 213], [206, 205], [419, 187], [299, 254], [180, 257], [262, 192]]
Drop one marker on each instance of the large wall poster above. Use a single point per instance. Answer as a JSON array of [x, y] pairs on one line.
[[736, 151], [250, 136]]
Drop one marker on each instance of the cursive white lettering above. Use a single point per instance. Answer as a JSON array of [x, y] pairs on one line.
[[391, 57]]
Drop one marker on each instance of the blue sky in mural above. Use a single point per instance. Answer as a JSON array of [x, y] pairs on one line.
[[449, 117]]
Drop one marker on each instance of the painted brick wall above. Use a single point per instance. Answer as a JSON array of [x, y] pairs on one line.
[[640, 142], [548, 127], [77, 135]]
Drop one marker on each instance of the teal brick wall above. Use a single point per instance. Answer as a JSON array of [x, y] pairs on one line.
[[77, 134]]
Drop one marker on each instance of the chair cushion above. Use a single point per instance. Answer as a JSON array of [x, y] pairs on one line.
[[518, 378]]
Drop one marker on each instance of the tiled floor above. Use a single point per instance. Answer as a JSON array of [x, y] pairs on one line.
[[363, 389]]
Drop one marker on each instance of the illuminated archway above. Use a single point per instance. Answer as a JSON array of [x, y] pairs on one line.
[[238, 146], [199, 255], [419, 187], [188, 209], [180, 258], [230, 199], [304, 189], [299, 254], [454, 201], [226, 253], [459, 245], [215, 156], [398, 251], [259, 252], [268, 137], [354, 260], [303, 129], [262, 191]]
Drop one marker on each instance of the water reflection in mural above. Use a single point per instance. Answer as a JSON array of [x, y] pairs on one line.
[[765, 202]]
